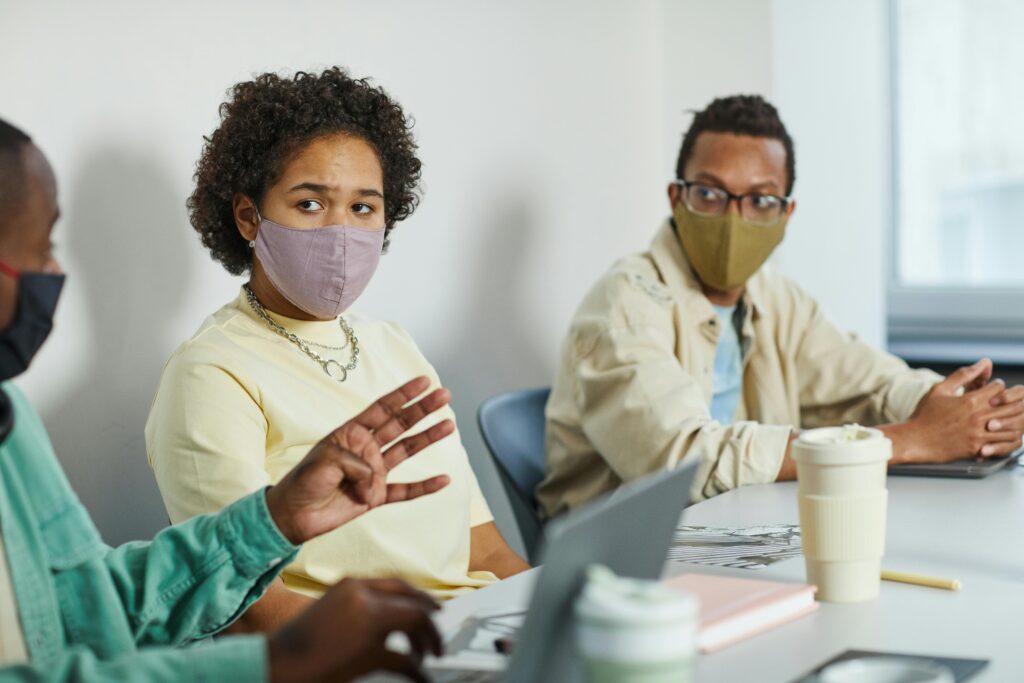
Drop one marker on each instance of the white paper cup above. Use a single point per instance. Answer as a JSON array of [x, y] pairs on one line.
[[842, 497], [633, 631]]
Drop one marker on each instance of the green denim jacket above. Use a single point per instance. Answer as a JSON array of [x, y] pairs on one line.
[[95, 613]]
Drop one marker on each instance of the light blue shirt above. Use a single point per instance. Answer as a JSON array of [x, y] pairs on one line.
[[727, 385]]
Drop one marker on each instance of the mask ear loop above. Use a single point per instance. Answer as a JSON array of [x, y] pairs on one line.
[[259, 221], [10, 272]]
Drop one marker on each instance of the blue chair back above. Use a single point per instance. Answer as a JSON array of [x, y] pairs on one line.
[[512, 425]]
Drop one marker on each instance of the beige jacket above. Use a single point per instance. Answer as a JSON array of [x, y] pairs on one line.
[[635, 384]]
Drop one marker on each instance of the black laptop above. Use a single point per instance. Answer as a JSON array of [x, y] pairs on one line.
[[968, 468]]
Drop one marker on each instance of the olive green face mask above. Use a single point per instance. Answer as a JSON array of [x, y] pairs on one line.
[[726, 250]]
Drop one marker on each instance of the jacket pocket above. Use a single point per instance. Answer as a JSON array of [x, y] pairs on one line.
[[91, 609], [70, 539]]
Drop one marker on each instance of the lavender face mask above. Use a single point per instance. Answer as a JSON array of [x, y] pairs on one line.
[[323, 270]]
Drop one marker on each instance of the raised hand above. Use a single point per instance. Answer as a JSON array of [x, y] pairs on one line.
[[345, 475]]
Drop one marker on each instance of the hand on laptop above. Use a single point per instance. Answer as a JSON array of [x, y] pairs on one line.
[[345, 475], [343, 635], [965, 415], [1013, 397]]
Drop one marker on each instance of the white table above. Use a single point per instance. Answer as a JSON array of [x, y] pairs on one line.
[[972, 530]]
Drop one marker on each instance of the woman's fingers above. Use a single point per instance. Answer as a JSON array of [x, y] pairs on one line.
[[411, 445]]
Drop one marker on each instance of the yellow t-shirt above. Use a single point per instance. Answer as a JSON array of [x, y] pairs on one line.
[[238, 406]]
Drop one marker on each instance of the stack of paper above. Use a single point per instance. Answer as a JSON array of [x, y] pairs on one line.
[[752, 547]]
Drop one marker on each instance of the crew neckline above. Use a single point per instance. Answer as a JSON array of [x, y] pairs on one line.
[[320, 331]]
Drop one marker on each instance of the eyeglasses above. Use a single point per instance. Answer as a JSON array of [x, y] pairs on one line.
[[756, 207]]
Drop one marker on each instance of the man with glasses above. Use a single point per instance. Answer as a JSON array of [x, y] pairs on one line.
[[697, 349]]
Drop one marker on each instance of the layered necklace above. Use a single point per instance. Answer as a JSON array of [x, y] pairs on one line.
[[332, 368]]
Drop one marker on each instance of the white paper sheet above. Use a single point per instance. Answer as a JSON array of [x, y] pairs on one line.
[[752, 547]]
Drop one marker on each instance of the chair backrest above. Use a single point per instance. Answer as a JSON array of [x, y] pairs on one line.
[[512, 425]]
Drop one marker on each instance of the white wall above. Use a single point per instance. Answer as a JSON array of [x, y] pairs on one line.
[[539, 126], [830, 82], [548, 132], [711, 49]]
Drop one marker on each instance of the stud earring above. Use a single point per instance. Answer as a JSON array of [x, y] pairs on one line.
[[252, 244]]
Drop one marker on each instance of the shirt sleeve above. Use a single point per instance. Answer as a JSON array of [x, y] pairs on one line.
[[241, 659], [843, 380], [197, 577], [643, 411], [206, 437]]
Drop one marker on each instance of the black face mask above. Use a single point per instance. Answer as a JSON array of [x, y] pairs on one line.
[[37, 301]]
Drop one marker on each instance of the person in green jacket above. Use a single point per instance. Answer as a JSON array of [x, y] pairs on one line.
[[74, 609]]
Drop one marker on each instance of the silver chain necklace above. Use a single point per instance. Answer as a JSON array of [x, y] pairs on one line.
[[332, 368]]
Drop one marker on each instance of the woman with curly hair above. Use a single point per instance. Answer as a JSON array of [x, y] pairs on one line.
[[300, 187]]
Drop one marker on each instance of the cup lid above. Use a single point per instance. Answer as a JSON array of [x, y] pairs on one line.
[[610, 598], [846, 445]]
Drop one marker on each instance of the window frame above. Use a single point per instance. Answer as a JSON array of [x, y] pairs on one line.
[[942, 322]]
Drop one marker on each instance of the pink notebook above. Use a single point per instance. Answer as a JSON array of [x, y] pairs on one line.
[[735, 609]]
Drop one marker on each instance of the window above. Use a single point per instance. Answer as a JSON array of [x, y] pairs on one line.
[[958, 171]]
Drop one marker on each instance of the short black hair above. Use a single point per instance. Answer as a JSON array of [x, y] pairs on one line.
[[12, 166], [740, 115], [268, 119]]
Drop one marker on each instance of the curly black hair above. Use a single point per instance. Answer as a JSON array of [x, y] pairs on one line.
[[741, 115], [267, 120]]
